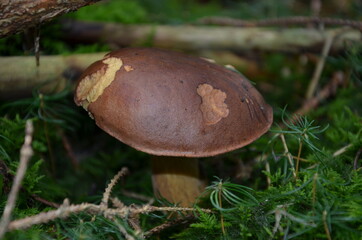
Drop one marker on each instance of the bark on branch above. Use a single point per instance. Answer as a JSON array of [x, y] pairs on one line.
[[18, 15], [207, 37]]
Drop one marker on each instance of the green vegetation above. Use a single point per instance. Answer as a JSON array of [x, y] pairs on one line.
[[303, 179]]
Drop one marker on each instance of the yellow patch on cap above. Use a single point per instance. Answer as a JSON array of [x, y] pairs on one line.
[[92, 86]]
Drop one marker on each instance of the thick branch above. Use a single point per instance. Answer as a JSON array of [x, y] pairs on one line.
[[19, 75], [207, 37], [18, 15]]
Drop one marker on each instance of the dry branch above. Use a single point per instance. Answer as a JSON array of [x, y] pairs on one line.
[[320, 65], [284, 21], [188, 37], [26, 152], [18, 15], [66, 209], [107, 192]]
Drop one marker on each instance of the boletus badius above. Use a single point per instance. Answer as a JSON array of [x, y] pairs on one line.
[[174, 107]]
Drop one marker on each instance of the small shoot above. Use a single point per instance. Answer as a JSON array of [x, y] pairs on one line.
[[305, 132], [225, 192]]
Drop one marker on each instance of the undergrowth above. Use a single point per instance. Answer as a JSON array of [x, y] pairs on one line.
[[323, 201], [312, 187]]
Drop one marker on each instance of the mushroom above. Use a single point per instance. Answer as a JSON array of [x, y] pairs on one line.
[[177, 108]]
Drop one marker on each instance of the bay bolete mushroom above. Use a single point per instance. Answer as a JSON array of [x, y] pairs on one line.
[[175, 107]]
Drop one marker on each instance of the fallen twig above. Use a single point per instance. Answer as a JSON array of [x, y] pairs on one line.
[[320, 65], [285, 21], [44, 201], [119, 210], [26, 153], [288, 154], [356, 158], [69, 150], [341, 150], [327, 91], [110, 186]]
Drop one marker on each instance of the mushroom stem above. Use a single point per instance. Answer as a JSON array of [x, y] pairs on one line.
[[176, 179]]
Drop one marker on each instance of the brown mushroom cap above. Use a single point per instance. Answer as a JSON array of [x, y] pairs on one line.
[[170, 104]]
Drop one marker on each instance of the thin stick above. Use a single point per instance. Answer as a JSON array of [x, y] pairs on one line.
[[330, 89], [314, 189], [342, 150], [221, 215], [287, 153], [49, 145], [69, 150], [124, 231], [44, 201], [25, 154], [326, 229], [301, 159], [355, 162], [110, 186], [267, 168], [320, 65], [298, 158]]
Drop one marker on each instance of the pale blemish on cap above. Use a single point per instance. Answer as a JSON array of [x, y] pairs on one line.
[[92, 86], [208, 60], [128, 68], [213, 107], [231, 67]]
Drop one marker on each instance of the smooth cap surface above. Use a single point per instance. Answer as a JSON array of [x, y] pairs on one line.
[[171, 104]]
